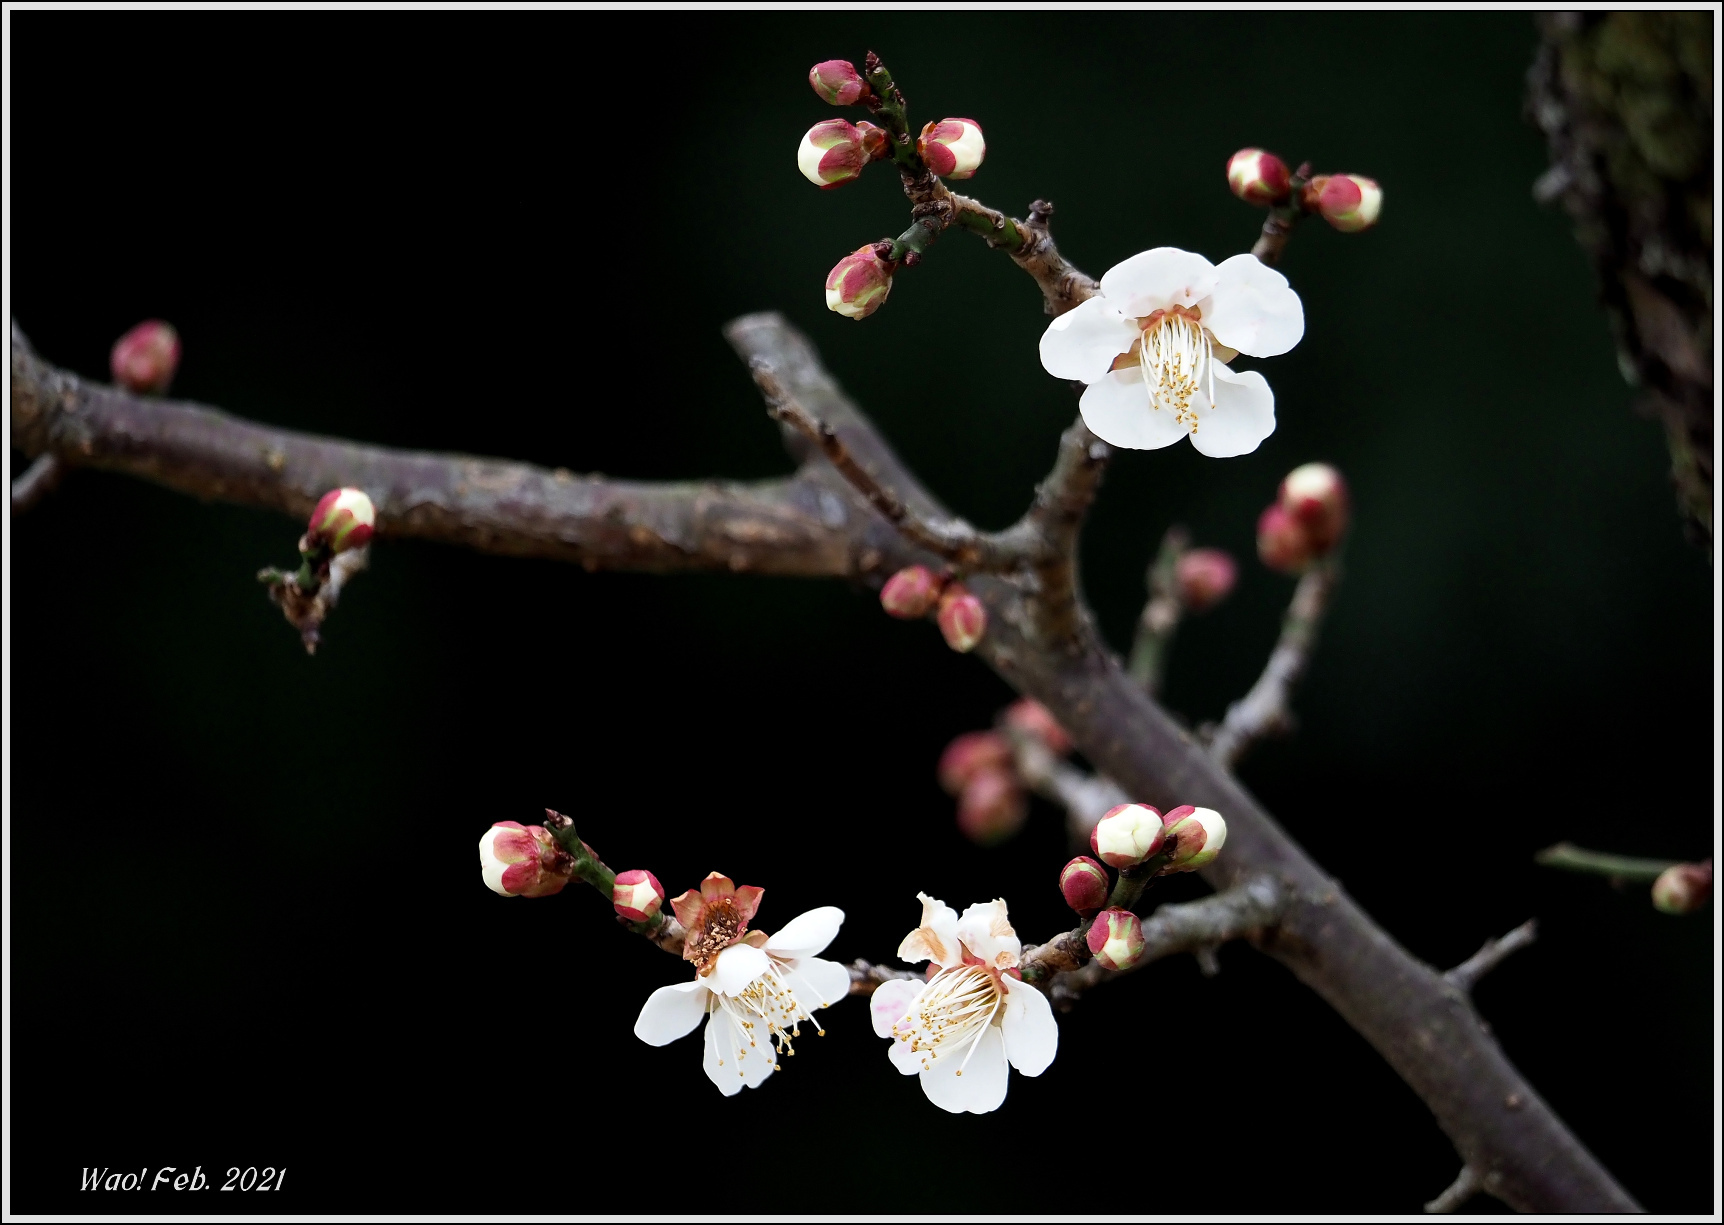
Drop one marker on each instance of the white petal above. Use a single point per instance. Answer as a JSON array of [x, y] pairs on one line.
[[1031, 1033], [1082, 343], [1243, 415], [807, 933], [1254, 310], [819, 983], [891, 1000], [908, 1062], [988, 935], [981, 1088], [1117, 409], [729, 1062], [670, 1012], [937, 937], [1155, 280], [736, 967]]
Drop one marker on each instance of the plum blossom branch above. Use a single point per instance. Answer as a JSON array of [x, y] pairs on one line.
[[1466, 975], [1466, 1185], [662, 928], [36, 482]]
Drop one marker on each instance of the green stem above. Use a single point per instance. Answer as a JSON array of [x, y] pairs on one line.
[[1571, 858], [888, 104], [1009, 235], [590, 868], [1130, 884]]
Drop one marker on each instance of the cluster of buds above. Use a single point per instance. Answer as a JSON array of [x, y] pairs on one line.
[[1349, 202], [916, 591], [979, 768], [1683, 888], [331, 552], [144, 359], [1306, 521], [521, 860]]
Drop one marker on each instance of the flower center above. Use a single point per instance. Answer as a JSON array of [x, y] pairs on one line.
[[1177, 354], [766, 1006], [720, 926], [950, 1016]]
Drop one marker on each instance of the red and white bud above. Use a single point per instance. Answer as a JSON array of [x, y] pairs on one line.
[[952, 148], [343, 519], [1316, 495], [145, 358], [1196, 836], [1684, 888], [1127, 835], [1204, 578], [858, 284], [1349, 202], [1084, 885], [1282, 541], [637, 895], [837, 82], [962, 618], [831, 153], [968, 755], [912, 592], [1033, 719], [516, 859], [992, 806], [1258, 177], [1116, 939]]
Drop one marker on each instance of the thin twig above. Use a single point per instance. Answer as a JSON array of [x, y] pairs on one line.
[[1161, 613], [865, 976], [1085, 797], [1466, 1185], [1571, 858], [36, 482], [1494, 952]]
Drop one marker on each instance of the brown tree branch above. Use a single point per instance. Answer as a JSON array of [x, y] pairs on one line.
[[36, 482], [1494, 953], [1466, 1185], [865, 976]]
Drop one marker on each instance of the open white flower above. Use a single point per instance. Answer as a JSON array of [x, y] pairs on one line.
[[972, 1017], [756, 991], [1154, 343]]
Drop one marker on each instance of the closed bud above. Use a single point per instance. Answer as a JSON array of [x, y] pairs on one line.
[[1116, 939], [1684, 888], [1127, 835], [343, 520], [912, 592], [1084, 885], [831, 153], [837, 82], [637, 895], [1032, 718], [1204, 578], [145, 358], [963, 620], [1258, 177], [968, 755], [992, 806], [516, 859], [1196, 836], [952, 148], [1316, 496], [1349, 202], [1282, 542], [858, 284], [873, 140]]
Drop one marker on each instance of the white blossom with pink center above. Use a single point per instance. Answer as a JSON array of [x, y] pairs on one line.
[[753, 990], [973, 1016], [1153, 346]]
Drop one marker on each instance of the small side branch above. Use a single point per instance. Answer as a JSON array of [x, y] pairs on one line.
[[36, 482], [1571, 858], [1161, 614], [1085, 797], [1494, 952], [865, 976], [1466, 1185]]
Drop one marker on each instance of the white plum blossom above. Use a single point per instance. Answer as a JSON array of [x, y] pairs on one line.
[[754, 992], [960, 1029], [1153, 346]]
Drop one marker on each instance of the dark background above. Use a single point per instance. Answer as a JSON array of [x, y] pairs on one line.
[[247, 928]]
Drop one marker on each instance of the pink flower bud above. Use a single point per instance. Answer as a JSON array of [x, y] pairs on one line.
[[1349, 202], [837, 82], [1116, 939], [952, 148], [637, 895], [1282, 542], [1032, 718], [1684, 888], [1316, 496], [1204, 577], [145, 358], [1127, 835], [992, 807], [343, 520], [912, 592], [968, 755], [963, 620], [1196, 836], [858, 284], [831, 153], [515, 860], [1084, 884], [1258, 177]]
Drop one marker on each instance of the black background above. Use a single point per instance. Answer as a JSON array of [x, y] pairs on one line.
[[247, 929]]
